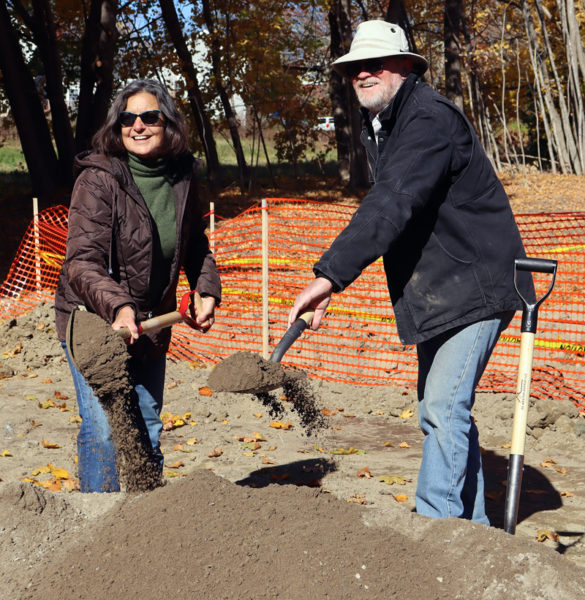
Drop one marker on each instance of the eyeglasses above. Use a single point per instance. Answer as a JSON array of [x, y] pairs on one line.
[[148, 117], [374, 65]]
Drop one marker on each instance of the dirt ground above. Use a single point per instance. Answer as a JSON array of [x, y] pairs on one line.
[[254, 507]]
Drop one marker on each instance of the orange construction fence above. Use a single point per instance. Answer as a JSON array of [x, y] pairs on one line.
[[263, 268]]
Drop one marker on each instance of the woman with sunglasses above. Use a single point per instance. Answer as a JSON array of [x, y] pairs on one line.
[[134, 221]]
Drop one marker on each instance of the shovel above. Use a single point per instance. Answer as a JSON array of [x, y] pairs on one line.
[[528, 329], [249, 373], [157, 323]]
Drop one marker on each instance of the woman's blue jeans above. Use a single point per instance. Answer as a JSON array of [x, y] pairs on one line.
[[96, 452], [450, 480]]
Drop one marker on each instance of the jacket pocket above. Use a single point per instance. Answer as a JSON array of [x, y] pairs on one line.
[[442, 288]]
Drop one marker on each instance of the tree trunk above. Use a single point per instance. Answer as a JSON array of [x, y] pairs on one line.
[[452, 37], [97, 63], [216, 54], [46, 40], [32, 127], [351, 156], [194, 93]]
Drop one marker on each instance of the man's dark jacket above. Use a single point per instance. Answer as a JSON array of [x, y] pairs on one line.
[[438, 215], [110, 229]]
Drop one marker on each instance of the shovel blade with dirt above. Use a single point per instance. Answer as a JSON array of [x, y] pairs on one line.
[[249, 373], [88, 336]]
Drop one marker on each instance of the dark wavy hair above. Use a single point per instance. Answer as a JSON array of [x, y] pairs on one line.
[[108, 139]]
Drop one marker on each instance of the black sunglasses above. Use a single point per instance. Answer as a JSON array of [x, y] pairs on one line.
[[148, 117], [373, 65]]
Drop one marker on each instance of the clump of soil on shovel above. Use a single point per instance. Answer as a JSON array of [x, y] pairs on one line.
[[246, 372], [102, 357]]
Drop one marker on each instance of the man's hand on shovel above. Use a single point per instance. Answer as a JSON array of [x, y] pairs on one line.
[[315, 296]]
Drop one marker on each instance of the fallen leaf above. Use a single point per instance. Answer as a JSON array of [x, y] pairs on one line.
[[60, 473], [5, 453], [75, 419], [358, 499], [547, 534], [176, 465], [567, 494], [507, 445], [328, 413], [404, 445], [280, 425], [197, 364], [46, 381], [35, 423], [258, 415], [191, 441], [46, 404], [365, 472], [549, 462], [388, 445], [178, 447], [350, 450], [252, 446], [401, 498], [14, 352], [42, 470], [60, 396], [407, 413], [266, 461], [349, 416], [393, 479], [205, 391], [215, 453], [561, 470], [172, 385], [49, 445]]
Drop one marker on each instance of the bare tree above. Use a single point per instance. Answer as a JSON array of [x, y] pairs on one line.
[[194, 93], [350, 154], [27, 110], [452, 17], [97, 67], [216, 60]]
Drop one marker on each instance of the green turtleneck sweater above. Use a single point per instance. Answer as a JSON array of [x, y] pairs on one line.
[[153, 181]]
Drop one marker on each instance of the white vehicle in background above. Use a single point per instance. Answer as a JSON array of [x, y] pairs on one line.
[[325, 124]]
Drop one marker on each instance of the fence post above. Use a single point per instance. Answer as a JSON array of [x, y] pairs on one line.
[[212, 226], [265, 326], [37, 242]]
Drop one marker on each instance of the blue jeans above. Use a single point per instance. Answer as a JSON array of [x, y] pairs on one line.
[[450, 481], [96, 451]]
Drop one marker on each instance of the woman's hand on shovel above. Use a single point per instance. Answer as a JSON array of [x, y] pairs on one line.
[[315, 296], [202, 311], [126, 317]]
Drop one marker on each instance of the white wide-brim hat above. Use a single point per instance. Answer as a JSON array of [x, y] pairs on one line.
[[379, 39]]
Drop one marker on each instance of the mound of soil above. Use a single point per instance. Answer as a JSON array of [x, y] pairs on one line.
[[256, 507]]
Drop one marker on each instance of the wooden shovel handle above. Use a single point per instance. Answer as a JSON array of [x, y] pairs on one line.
[[168, 319]]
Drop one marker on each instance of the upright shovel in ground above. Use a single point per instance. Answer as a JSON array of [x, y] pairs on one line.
[[528, 329]]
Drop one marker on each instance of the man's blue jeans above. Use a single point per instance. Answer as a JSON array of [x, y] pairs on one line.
[[450, 480], [96, 452]]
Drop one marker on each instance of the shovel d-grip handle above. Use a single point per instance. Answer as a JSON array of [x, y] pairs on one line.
[[168, 319], [292, 333], [528, 329], [533, 265]]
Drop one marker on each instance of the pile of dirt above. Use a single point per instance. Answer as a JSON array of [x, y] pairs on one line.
[[257, 508], [205, 537]]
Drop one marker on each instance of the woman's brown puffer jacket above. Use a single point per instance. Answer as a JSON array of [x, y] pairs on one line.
[[109, 247]]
